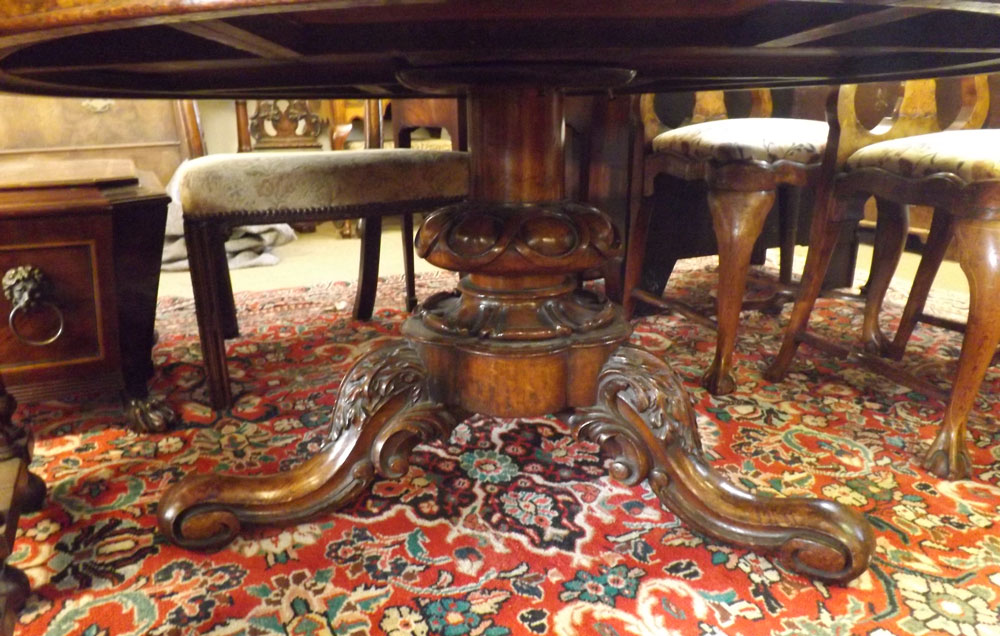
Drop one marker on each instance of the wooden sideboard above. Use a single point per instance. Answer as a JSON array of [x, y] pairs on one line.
[[89, 257], [55, 245], [98, 245]]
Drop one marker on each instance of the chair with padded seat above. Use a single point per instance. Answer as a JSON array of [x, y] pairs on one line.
[[743, 162], [957, 172], [221, 191]]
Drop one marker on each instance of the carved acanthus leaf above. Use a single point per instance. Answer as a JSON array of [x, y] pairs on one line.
[[391, 373], [648, 386], [636, 384]]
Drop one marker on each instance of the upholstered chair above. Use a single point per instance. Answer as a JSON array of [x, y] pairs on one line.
[[282, 125], [743, 162], [955, 171], [222, 191]]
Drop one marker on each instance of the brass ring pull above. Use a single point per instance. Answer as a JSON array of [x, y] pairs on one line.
[[44, 341], [27, 288]]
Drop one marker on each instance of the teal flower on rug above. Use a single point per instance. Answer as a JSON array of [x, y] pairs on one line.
[[530, 508], [310, 603], [489, 466], [451, 617], [605, 587]]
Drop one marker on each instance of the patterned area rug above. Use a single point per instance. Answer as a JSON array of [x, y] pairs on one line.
[[511, 526]]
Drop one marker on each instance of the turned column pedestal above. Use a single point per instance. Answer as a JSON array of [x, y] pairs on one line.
[[519, 314], [519, 337]]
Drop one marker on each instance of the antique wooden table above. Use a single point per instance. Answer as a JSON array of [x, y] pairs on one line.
[[518, 338]]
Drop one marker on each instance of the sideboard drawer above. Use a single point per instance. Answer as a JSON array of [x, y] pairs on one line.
[[70, 331]]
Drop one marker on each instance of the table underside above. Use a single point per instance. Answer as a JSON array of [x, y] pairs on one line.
[[268, 48]]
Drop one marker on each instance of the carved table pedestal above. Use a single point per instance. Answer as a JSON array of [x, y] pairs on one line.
[[520, 338]]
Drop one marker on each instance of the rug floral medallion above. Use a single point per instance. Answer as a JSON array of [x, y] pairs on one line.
[[510, 526]]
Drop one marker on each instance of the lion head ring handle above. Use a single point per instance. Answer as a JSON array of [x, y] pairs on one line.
[[28, 288]]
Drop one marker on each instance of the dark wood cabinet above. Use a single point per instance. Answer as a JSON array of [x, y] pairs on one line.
[[98, 246], [69, 333], [96, 251]]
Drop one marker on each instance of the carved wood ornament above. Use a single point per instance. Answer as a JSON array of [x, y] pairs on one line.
[[644, 420], [383, 411], [519, 338], [282, 124]]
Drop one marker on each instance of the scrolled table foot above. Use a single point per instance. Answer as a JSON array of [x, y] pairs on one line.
[[645, 420], [382, 412], [148, 414]]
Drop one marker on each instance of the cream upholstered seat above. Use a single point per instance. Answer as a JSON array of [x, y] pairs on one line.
[[972, 155], [218, 192], [258, 184], [754, 138]]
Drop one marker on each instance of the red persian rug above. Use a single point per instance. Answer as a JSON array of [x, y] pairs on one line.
[[510, 527]]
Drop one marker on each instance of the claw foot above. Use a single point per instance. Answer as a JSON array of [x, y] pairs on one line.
[[948, 457], [718, 381], [382, 412], [876, 343], [645, 420], [149, 415]]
